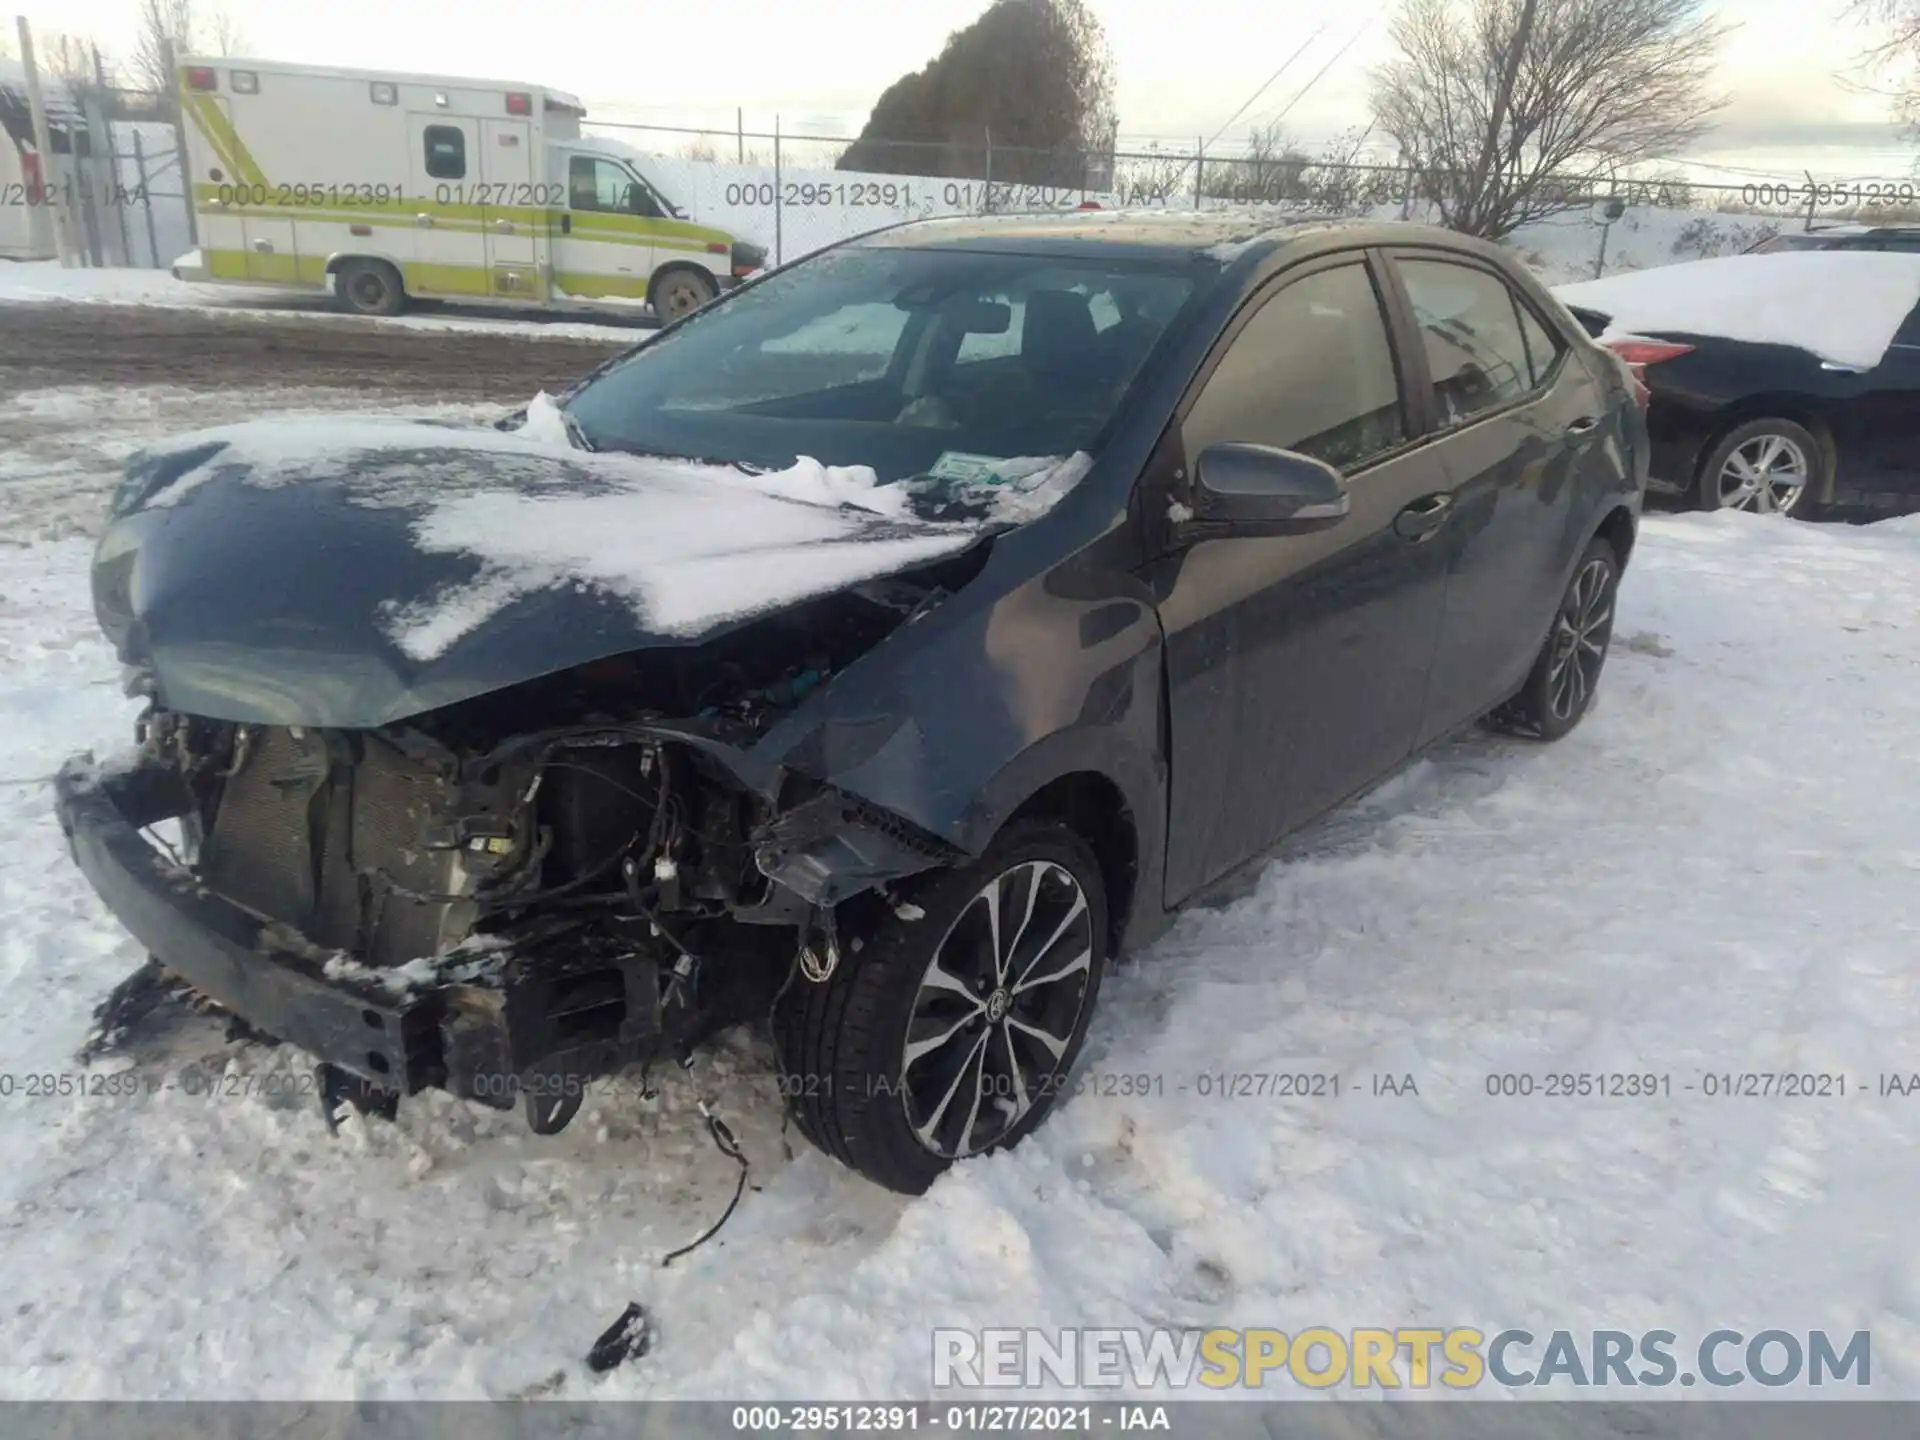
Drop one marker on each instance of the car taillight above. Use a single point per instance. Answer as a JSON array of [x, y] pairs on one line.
[[1638, 354]]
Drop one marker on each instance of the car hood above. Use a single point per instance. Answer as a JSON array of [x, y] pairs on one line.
[[353, 572]]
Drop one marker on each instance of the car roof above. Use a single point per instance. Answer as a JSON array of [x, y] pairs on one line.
[[1858, 229], [1223, 235]]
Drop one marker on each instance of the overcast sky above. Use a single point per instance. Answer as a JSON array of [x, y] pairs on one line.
[[1183, 67]]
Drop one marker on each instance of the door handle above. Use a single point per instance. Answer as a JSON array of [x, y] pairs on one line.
[[566, 224], [505, 227], [1585, 425], [1423, 517], [423, 219], [265, 247]]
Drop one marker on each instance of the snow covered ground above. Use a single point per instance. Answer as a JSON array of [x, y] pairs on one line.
[[46, 281], [1716, 873]]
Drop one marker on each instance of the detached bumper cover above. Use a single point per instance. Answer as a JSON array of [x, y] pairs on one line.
[[483, 1042]]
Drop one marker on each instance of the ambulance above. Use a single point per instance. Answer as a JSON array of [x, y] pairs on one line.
[[386, 188]]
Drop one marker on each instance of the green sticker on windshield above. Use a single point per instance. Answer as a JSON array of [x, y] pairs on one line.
[[959, 465]]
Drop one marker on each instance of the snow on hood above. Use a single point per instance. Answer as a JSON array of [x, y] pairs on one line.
[[1842, 305], [686, 545]]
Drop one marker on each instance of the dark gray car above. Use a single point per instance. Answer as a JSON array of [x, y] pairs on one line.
[[896, 640]]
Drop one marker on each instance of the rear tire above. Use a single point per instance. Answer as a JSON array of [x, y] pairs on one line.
[[678, 293], [1561, 685], [1002, 1021], [369, 287], [1769, 466]]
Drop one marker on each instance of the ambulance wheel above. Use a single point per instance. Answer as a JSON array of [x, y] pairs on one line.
[[679, 293], [370, 287]]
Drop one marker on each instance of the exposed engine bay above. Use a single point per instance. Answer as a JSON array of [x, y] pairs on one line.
[[545, 883]]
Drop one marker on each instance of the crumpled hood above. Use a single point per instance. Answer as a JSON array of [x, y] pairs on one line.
[[353, 572]]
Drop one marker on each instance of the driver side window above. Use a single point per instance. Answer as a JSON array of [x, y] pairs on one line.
[[1311, 372], [606, 186]]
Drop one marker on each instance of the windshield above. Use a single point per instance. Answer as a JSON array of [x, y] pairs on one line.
[[915, 362]]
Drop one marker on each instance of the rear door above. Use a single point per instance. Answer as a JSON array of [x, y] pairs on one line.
[[448, 254], [1880, 430], [515, 226], [1297, 665], [1518, 420]]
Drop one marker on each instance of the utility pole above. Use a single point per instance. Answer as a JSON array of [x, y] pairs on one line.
[[52, 191], [1502, 100]]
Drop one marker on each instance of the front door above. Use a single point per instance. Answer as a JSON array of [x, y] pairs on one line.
[[1297, 665], [443, 252], [515, 225], [605, 246]]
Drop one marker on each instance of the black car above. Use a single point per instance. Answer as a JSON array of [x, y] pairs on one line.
[[502, 764], [1774, 428], [1841, 237]]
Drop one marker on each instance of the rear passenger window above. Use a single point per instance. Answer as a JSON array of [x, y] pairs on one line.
[[1543, 346], [1312, 372], [446, 147], [1475, 348]]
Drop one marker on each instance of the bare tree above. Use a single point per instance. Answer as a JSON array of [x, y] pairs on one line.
[[1895, 51], [164, 24], [186, 26], [224, 35], [70, 60], [1509, 111]]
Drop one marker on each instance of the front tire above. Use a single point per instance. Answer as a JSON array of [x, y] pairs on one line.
[[679, 293], [1769, 466], [947, 1034], [1561, 685]]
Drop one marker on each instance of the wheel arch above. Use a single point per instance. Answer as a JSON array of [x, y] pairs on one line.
[[1094, 808], [1618, 529], [1112, 798], [372, 257]]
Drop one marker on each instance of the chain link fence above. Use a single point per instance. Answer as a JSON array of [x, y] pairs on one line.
[[795, 193]]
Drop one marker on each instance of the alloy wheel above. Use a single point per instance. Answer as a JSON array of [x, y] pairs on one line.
[[1580, 635], [1766, 475], [997, 1009]]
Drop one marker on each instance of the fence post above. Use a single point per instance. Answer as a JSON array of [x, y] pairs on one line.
[[1199, 169], [740, 134], [146, 201], [986, 194], [1813, 198], [778, 226], [51, 186]]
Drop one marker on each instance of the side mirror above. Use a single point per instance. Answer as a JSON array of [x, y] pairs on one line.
[[1260, 490]]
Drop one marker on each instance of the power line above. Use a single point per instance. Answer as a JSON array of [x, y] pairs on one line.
[[1268, 82], [1321, 73]]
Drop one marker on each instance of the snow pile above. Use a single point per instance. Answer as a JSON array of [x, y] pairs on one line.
[[1843, 306]]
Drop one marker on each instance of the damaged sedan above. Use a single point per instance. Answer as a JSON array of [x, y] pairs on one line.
[[874, 653]]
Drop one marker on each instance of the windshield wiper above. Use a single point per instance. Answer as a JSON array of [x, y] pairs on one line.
[[575, 431]]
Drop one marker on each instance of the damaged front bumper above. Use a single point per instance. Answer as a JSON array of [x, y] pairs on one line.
[[524, 1030]]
